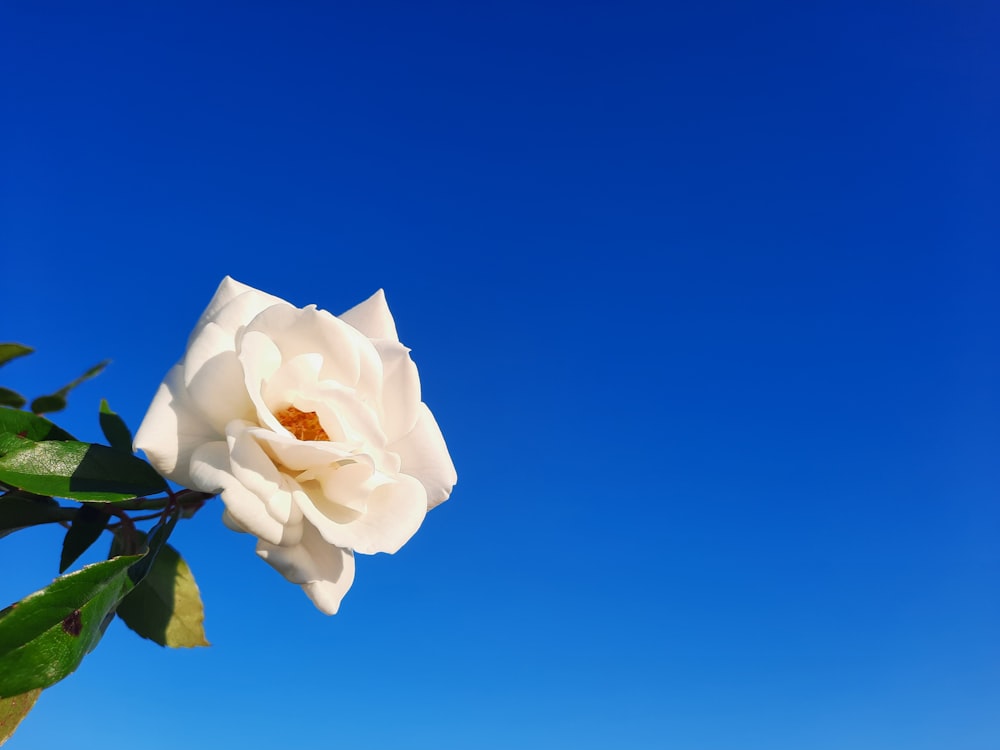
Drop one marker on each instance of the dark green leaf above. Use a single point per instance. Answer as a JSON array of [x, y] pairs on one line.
[[13, 710], [11, 398], [80, 471], [138, 543], [91, 373], [48, 404], [25, 425], [11, 351], [166, 607], [19, 509], [45, 636], [84, 531], [115, 430]]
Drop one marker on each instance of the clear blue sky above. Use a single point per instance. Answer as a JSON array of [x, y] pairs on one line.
[[705, 302]]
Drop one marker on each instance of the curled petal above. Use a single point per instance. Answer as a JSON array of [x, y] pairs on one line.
[[253, 468], [211, 471], [368, 513], [425, 456], [300, 455], [325, 572], [395, 511]]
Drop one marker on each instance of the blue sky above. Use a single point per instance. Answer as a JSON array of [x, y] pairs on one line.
[[703, 298]]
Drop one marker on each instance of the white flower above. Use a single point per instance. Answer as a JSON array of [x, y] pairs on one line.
[[310, 426]]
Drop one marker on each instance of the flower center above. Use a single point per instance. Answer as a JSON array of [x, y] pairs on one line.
[[304, 425]]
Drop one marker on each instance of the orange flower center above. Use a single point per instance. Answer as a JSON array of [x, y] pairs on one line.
[[304, 425]]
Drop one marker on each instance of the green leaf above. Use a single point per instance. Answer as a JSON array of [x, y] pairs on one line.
[[79, 471], [57, 401], [84, 531], [166, 607], [11, 351], [48, 404], [13, 710], [135, 542], [20, 509], [11, 398], [115, 430], [45, 636], [93, 372], [25, 425]]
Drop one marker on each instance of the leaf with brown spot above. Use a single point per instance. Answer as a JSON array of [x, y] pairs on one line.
[[45, 637], [73, 623]]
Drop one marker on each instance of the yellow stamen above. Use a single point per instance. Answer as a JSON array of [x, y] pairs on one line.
[[304, 425]]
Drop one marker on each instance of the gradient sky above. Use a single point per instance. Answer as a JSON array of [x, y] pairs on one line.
[[703, 298]]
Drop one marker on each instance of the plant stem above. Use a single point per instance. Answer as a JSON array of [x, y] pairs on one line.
[[184, 498]]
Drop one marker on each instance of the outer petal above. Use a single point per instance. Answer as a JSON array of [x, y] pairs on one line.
[[325, 572], [372, 318], [425, 456], [400, 389], [172, 430], [240, 302], [213, 375]]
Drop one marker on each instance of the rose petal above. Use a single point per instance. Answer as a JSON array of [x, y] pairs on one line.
[[336, 495], [213, 375], [233, 306], [231, 523], [325, 572], [344, 416], [389, 510], [172, 429], [261, 359], [400, 389], [211, 472], [425, 456], [286, 384], [254, 469], [298, 455], [310, 331], [372, 318], [395, 512]]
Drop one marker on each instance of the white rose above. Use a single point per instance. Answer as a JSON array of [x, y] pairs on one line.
[[310, 426]]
